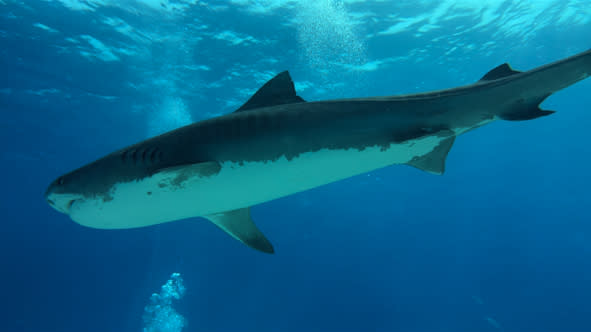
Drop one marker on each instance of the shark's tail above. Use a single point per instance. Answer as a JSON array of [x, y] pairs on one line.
[[525, 91]]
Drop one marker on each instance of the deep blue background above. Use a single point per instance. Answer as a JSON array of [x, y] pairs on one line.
[[502, 241]]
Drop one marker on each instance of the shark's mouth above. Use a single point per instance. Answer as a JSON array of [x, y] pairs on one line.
[[70, 204], [63, 202]]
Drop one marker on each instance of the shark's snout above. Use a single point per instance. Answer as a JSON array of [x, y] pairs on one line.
[[48, 194], [58, 198]]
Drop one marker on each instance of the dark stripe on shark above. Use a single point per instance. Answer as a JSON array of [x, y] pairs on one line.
[[143, 155]]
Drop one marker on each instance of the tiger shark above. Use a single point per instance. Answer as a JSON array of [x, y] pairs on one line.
[[278, 144]]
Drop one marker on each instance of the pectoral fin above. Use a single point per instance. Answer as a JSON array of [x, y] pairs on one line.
[[240, 226]]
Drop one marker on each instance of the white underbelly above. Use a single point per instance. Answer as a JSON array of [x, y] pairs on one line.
[[148, 202]]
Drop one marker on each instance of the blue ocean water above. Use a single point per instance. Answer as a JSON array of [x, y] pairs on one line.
[[501, 242]]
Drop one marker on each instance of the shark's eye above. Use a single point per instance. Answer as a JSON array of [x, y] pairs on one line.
[[60, 180]]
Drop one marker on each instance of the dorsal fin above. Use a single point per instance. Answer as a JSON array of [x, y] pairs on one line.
[[277, 91], [501, 71]]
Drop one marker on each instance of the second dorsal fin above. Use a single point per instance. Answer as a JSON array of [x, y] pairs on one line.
[[501, 71], [277, 91]]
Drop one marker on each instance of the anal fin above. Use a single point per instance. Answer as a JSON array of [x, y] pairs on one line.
[[434, 161], [240, 226]]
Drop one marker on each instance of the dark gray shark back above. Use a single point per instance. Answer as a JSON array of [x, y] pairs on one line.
[[272, 130], [276, 123]]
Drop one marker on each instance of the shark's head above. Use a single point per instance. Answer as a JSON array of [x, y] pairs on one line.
[[64, 192], [114, 193], [91, 182], [95, 181], [89, 195]]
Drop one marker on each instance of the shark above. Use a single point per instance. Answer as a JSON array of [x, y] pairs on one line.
[[278, 144]]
